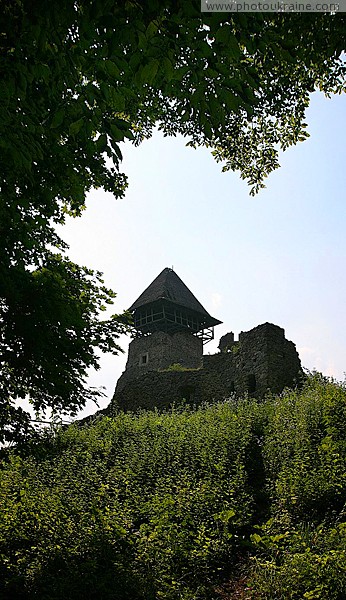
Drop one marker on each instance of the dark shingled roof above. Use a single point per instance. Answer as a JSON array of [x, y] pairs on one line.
[[168, 286]]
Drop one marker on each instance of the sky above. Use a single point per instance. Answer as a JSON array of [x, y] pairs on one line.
[[278, 257]]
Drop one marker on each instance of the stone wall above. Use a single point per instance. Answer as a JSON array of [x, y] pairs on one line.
[[267, 355], [226, 342], [159, 351], [261, 361]]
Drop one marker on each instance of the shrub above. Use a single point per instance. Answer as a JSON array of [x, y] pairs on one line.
[[302, 563], [165, 506], [178, 367], [142, 506]]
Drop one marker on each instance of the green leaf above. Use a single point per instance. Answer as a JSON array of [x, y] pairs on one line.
[[231, 100], [112, 69], [223, 34], [168, 69], [148, 72], [151, 29], [76, 126], [116, 149], [118, 100], [233, 47], [122, 124], [116, 133], [142, 40], [101, 143], [106, 90], [57, 118], [225, 515], [45, 73], [129, 134]]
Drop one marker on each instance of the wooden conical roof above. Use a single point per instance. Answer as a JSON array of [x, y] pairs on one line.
[[169, 287]]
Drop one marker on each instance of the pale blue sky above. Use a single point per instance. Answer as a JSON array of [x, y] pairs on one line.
[[278, 257]]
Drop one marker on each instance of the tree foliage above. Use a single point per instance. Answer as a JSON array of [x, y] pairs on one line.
[[50, 330], [78, 78]]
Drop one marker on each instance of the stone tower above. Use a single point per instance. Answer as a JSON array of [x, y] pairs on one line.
[[171, 327]]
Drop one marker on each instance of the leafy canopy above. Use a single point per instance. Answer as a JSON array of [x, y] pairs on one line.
[[78, 78]]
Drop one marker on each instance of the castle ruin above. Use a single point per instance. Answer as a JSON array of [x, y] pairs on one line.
[[166, 364]]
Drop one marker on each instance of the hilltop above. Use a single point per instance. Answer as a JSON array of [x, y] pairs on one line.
[[238, 499]]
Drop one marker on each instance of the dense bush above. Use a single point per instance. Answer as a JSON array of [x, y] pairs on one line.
[[301, 549], [305, 562], [152, 506]]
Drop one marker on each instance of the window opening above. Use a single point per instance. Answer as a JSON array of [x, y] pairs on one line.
[[143, 360], [251, 383]]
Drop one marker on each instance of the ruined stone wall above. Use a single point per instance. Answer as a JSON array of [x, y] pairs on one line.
[[163, 389], [160, 350], [263, 360], [270, 357]]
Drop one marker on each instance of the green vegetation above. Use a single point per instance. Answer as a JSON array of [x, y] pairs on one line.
[[149, 506], [179, 367], [78, 78], [185, 505]]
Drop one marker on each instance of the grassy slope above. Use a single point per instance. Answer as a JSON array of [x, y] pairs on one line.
[[173, 505]]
